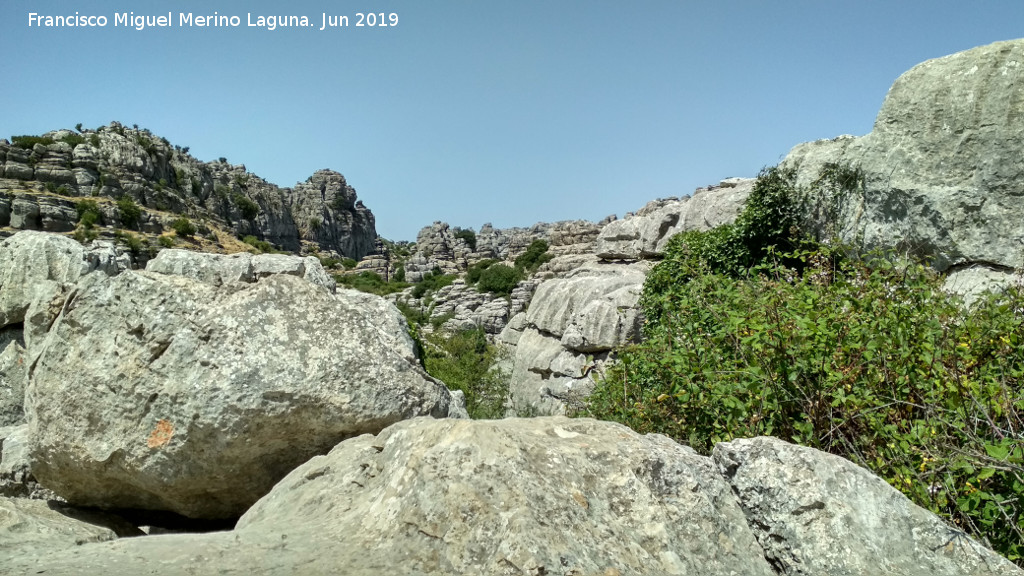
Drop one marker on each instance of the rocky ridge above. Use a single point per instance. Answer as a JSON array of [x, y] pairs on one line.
[[42, 178]]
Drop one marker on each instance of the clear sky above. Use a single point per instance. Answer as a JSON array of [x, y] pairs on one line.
[[470, 111]]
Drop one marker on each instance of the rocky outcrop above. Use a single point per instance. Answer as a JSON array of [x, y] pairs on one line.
[[36, 527], [816, 513], [567, 333], [42, 177], [438, 247], [16, 479], [645, 234], [556, 496], [326, 210], [942, 169], [197, 398], [220, 269]]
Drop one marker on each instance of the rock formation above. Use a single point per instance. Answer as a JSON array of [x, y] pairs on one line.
[[942, 169], [645, 234], [556, 496], [42, 177]]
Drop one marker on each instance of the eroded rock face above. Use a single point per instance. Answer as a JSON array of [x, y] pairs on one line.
[[219, 269], [816, 513], [570, 327], [942, 165], [29, 527], [196, 398], [645, 234]]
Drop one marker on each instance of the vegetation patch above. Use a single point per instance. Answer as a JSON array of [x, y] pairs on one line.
[[536, 254], [370, 282], [757, 329], [466, 361]]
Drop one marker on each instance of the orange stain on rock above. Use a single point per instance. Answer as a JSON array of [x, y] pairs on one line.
[[161, 435]]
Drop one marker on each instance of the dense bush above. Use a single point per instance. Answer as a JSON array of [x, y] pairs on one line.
[[469, 236], [498, 279], [28, 142], [369, 282], [262, 246], [183, 227], [466, 361], [535, 255], [869, 360], [859, 355], [473, 272], [247, 207], [432, 281], [129, 211], [88, 213]]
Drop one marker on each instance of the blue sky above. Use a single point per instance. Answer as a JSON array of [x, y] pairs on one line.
[[472, 111]]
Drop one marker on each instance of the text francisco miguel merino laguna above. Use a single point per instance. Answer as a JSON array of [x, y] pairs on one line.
[[215, 20]]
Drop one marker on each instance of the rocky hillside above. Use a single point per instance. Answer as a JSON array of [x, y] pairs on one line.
[[44, 178]]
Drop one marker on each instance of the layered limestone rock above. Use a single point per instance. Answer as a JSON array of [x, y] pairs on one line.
[[437, 246], [942, 170], [568, 331], [816, 513], [197, 398], [645, 233], [556, 496], [42, 178], [327, 212], [220, 269]]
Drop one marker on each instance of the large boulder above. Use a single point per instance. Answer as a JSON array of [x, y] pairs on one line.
[[13, 377], [645, 234], [162, 392], [36, 271], [942, 167], [556, 496], [533, 496], [816, 513]]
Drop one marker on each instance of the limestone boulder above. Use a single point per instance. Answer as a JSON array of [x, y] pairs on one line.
[[816, 513], [646, 233], [35, 266], [942, 167], [36, 527], [219, 269], [518, 496], [197, 398]]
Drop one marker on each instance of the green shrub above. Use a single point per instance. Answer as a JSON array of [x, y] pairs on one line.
[[870, 360], [247, 207], [262, 245], [498, 279], [349, 263], [88, 213], [536, 254], [73, 140], [129, 211], [469, 236], [473, 272], [183, 227], [432, 281], [134, 244], [94, 140], [29, 142], [466, 361], [166, 241], [370, 282], [399, 273]]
